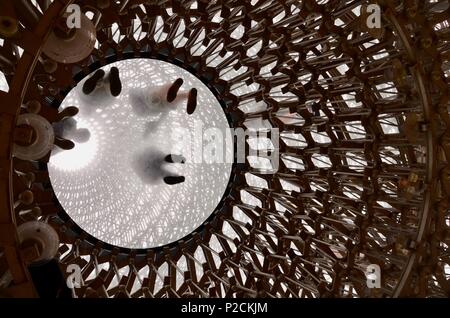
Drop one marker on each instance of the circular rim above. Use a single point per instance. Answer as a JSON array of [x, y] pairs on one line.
[[221, 207]]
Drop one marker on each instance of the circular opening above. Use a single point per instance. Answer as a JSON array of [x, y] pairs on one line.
[[123, 181]]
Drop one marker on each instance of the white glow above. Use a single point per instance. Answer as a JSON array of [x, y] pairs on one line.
[[99, 184], [78, 157]]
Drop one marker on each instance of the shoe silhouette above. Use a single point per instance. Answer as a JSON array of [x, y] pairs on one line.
[[64, 144], [173, 90], [175, 159], [114, 81], [91, 83], [172, 180], [192, 101]]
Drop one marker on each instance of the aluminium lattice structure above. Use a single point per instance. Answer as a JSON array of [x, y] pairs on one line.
[[365, 142]]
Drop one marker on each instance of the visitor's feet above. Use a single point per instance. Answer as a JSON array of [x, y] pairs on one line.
[[114, 81], [91, 83], [175, 159], [64, 143], [173, 90], [192, 101], [172, 180]]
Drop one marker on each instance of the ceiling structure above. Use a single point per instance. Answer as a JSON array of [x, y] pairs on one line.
[[362, 176]]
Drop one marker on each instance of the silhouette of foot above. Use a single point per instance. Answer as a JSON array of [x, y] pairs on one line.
[[172, 180], [192, 101], [173, 90], [175, 159], [91, 83], [64, 143], [114, 82]]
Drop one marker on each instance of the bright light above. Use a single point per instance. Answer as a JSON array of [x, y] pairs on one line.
[[78, 157], [112, 185]]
